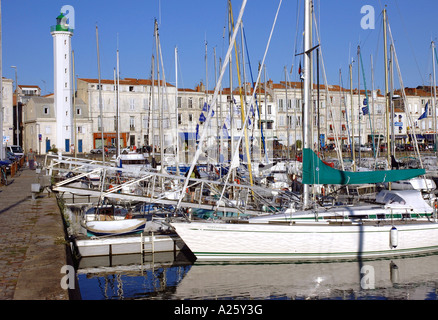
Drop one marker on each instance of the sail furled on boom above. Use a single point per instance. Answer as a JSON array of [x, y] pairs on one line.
[[315, 171]]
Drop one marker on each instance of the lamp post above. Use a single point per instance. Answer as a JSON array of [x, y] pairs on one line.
[[16, 94]]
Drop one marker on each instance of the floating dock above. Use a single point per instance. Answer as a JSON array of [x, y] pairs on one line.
[[133, 244]]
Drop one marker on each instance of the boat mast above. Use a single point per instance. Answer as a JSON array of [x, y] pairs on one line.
[[152, 112], [376, 152], [391, 97], [100, 96], [287, 114], [434, 97], [231, 86], [385, 49], [359, 102], [242, 99], [75, 128], [118, 104], [307, 143], [176, 112], [160, 107], [352, 117]]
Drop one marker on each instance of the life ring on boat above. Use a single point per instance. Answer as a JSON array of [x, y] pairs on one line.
[[110, 187]]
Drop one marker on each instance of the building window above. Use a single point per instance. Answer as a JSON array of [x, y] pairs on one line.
[[131, 88], [132, 104], [46, 110], [179, 102], [190, 117], [179, 118], [190, 103], [132, 123], [78, 111], [280, 105], [281, 121]]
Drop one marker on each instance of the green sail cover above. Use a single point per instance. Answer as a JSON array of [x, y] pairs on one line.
[[317, 172]]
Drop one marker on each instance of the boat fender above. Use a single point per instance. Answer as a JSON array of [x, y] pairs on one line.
[[393, 237]]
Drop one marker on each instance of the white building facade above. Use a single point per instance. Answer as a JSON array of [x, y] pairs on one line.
[[8, 125]]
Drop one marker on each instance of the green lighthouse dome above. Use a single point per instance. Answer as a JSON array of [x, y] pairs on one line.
[[61, 24]]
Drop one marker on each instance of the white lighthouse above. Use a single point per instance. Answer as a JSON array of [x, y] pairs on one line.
[[62, 83]]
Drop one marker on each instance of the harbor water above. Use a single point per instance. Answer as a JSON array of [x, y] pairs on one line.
[[170, 276]]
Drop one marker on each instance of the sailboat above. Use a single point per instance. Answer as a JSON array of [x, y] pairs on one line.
[[397, 223]]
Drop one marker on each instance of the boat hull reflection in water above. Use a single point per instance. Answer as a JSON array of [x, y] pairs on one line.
[[414, 278]]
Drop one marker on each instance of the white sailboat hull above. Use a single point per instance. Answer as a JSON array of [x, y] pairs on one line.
[[318, 241]]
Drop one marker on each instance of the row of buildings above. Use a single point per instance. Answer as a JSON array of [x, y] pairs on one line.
[[165, 116]]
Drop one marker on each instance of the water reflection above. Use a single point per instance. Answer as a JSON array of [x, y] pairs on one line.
[[165, 276]]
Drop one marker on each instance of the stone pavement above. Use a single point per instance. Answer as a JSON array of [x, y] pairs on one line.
[[32, 246]]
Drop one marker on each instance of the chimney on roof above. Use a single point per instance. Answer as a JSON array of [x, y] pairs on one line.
[[270, 84], [200, 87]]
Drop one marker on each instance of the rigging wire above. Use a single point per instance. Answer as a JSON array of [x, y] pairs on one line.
[[296, 35], [328, 102], [256, 100], [409, 40]]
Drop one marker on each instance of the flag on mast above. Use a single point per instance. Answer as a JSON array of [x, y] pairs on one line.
[[424, 115]]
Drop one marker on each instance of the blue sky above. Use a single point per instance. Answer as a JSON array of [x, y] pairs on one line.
[[27, 42]]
